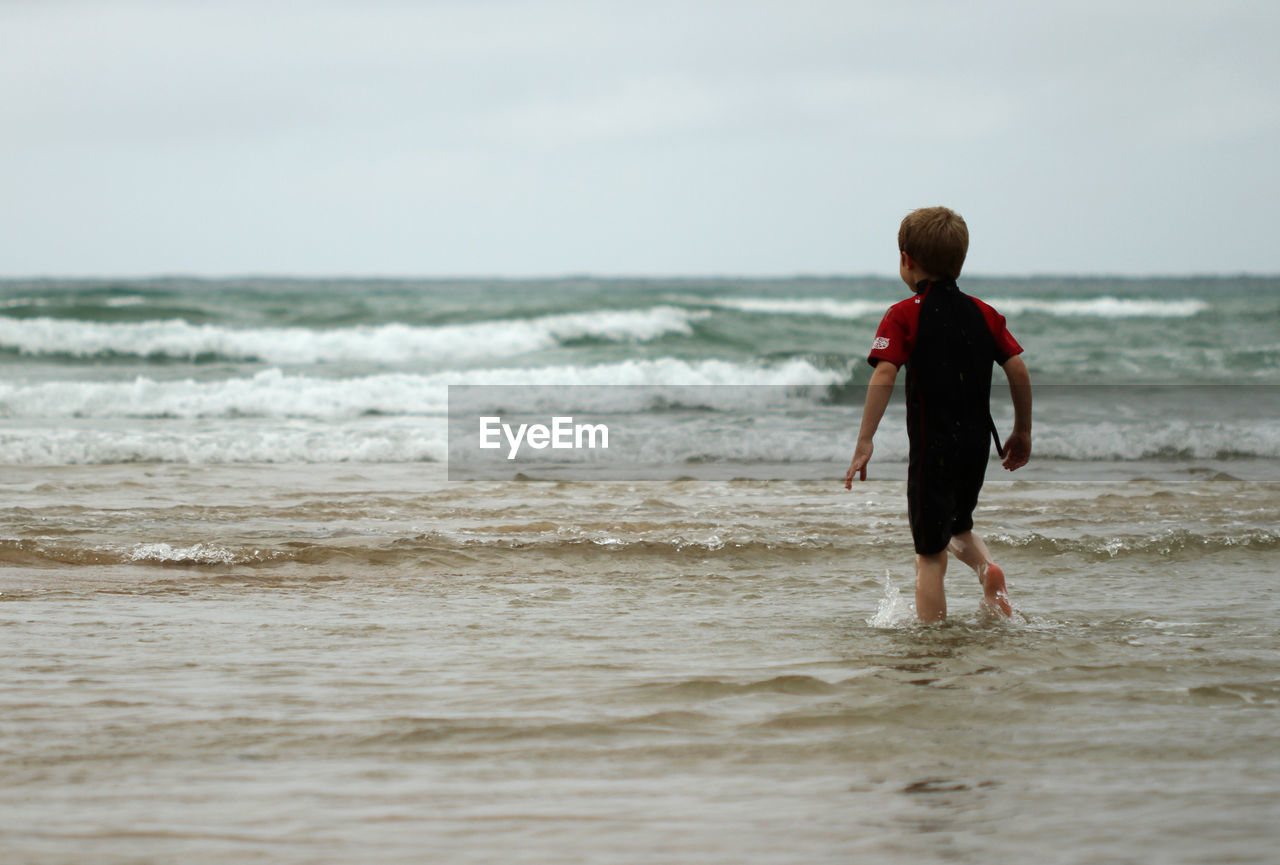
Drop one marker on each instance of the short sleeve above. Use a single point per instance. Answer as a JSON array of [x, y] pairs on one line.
[[1006, 345], [892, 339]]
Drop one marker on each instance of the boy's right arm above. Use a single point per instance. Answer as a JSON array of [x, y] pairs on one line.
[[1018, 448], [878, 392]]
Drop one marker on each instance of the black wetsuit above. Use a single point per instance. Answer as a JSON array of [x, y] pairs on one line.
[[948, 415], [949, 342]]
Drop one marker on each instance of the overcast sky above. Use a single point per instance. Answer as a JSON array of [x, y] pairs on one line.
[[549, 137]]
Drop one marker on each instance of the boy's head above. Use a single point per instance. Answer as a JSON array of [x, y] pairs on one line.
[[936, 239]]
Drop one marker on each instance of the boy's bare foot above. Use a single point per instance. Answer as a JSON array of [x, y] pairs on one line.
[[995, 595]]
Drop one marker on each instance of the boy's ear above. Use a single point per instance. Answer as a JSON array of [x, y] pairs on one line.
[[906, 260]]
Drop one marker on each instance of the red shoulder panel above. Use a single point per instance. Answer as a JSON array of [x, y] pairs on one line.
[[896, 336], [1006, 345]]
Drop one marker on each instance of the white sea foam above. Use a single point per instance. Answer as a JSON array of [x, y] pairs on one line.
[[388, 343], [276, 394], [1158, 440], [12, 302], [270, 393], [202, 554], [816, 306], [184, 442], [1101, 307], [1098, 307], [655, 372]]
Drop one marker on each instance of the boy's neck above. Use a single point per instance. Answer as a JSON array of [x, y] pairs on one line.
[[923, 285], [919, 281]]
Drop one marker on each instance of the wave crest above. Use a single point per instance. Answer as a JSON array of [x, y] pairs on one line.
[[387, 343], [273, 393]]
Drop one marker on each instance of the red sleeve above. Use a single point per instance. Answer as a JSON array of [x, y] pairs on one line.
[[894, 336], [1006, 345]]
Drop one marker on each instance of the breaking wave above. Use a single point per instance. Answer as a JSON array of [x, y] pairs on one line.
[[273, 393], [388, 343]]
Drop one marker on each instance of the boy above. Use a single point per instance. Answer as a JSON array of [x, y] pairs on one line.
[[948, 342]]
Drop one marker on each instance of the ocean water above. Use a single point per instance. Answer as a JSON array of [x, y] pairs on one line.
[[246, 616]]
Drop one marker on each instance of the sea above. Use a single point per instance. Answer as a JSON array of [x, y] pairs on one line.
[[252, 611]]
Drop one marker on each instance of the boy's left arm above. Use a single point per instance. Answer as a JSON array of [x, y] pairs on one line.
[[1018, 448]]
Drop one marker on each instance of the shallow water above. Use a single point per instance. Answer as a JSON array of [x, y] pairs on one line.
[[288, 664]]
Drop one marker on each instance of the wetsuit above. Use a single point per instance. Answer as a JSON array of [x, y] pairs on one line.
[[948, 341]]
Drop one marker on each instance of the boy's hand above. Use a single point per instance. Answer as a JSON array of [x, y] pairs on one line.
[[861, 456], [1017, 451]]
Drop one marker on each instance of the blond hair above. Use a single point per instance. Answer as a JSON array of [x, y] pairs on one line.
[[937, 240]]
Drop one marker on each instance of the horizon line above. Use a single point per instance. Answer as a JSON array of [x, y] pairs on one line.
[[585, 276]]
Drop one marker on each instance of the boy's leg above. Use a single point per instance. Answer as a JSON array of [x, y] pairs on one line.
[[970, 549], [931, 599]]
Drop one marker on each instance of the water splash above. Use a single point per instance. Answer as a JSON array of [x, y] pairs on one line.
[[893, 611]]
